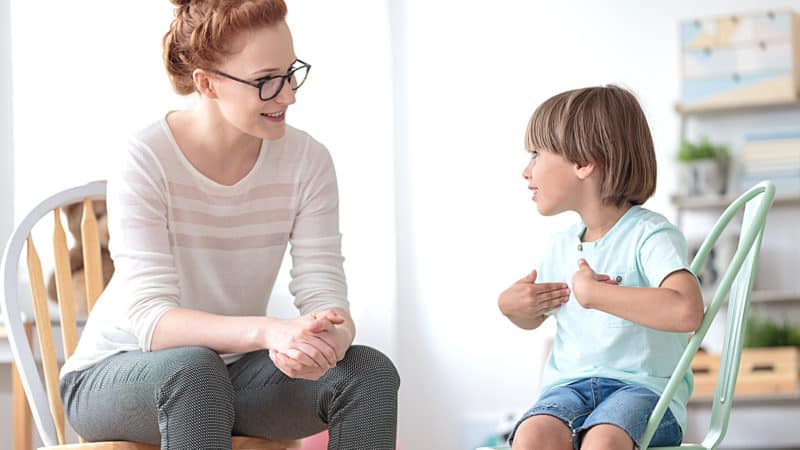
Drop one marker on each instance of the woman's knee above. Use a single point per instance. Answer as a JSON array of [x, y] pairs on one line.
[[199, 374], [363, 364]]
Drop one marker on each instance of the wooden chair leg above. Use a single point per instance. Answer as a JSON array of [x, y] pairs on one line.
[[21, 412]]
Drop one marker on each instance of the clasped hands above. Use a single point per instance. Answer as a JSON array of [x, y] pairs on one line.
[[307, 346]]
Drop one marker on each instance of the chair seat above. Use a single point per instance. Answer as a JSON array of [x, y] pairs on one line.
[[239, 443]]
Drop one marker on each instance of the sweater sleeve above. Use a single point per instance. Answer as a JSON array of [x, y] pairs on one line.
[[140, 243], [318, 280]]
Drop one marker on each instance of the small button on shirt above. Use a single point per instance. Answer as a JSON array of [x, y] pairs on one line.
[[641, 250]]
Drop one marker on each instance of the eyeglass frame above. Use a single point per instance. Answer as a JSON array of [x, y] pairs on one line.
[[260, 84]]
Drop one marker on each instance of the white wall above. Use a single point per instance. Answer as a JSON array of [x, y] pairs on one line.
[[6, 127], [6, 196], [472, 73]]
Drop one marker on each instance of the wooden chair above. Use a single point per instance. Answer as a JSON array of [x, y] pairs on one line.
[[737, 283], [46, 408]]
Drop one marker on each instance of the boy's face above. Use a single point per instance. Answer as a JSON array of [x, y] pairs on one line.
[[553, 180]]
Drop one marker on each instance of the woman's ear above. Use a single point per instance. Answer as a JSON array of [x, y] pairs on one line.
[[584, 171], [204, 83]]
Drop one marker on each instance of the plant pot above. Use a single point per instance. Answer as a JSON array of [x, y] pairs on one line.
[[702, 177]]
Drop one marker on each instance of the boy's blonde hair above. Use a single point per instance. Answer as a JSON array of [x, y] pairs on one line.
[[604, 126]]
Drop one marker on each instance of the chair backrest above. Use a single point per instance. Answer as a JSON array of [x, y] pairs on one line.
[[738, 282], [46, 408]]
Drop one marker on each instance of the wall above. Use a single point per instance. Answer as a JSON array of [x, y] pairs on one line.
[[6, 195], [472, 73]]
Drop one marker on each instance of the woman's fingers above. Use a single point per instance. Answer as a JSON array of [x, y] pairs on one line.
[[307, 355]]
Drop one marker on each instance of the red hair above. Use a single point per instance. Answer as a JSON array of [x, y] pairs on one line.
[[203, 30]]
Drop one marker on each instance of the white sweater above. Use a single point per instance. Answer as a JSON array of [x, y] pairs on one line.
[[181, 239]]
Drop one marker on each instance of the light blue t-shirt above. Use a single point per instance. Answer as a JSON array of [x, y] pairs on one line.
[[640, 250]]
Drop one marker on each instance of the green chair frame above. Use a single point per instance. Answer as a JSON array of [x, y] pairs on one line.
[[736, 285]]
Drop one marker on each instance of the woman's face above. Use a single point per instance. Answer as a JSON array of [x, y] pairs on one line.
[[259, 53]]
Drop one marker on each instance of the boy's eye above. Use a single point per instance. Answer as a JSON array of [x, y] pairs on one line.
[[534, 153]]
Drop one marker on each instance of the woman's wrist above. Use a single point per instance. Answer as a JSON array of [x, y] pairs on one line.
[[264, 333]]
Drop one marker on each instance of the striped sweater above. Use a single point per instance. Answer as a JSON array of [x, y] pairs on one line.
[[181, 239]]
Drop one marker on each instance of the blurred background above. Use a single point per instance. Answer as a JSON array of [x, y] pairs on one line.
[[423, 105]]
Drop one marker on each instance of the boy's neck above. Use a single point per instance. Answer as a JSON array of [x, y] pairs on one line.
[[600, 219]]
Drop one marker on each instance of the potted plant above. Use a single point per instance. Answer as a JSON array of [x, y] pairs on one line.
[[702, 168], [767, 333]]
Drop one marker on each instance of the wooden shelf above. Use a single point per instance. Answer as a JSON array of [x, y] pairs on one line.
[[685, 110], [722, 201], [752, 399]]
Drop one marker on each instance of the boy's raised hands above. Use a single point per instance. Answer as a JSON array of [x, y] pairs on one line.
[[526, 301]]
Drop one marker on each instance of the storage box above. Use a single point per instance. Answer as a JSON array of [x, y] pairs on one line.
[[740, 59], [762, 371]]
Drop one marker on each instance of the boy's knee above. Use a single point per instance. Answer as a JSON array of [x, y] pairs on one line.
[[542, 432], [606, 437]]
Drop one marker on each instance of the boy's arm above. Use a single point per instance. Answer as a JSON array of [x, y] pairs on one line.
[[525, 302], [675, 306]]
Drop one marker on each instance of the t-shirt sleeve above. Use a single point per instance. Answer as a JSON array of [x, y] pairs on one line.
[[318, 280], [662, 252], [139, 244]]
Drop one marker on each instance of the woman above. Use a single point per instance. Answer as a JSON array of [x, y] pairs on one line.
[[178, 349]]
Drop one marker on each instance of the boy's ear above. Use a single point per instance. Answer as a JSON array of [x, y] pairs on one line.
[[584, 171]]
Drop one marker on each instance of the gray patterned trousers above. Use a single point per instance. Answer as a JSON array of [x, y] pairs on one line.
[[187, 398]]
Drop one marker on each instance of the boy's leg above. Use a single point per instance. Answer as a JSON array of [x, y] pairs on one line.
[[606, 437], [555, 417], [177, 398], [623, 411], [356, 400], [542, 432]]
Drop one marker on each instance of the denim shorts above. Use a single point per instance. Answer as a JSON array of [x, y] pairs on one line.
[[595, 401]]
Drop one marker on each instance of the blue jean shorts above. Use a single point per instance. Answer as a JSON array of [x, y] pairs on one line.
[[595, 401]]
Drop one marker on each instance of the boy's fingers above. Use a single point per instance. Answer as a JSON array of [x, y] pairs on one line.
[[529, 278], [544, 288]]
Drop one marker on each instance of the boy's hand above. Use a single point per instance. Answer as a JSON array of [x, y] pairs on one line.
[[583, 280], [527, 300]]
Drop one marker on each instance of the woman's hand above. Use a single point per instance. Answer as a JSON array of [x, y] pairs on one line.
[[339, 336], [526, 301], [300, 348]]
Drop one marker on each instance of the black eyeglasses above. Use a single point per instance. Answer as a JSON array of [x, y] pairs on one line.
[[270, 86]]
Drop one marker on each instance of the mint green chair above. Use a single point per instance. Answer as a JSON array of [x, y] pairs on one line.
[[738, 282]]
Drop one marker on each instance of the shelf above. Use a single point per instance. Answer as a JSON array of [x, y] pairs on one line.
[[722, 201], [752, 399], [763, 296], [774, 296], [717, 109]]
